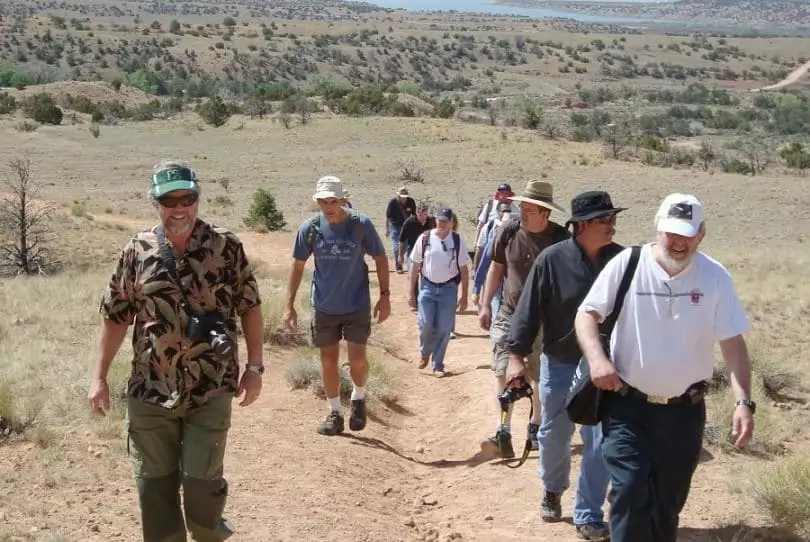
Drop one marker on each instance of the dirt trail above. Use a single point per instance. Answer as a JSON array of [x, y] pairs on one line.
[[413, 474], [791, 78]]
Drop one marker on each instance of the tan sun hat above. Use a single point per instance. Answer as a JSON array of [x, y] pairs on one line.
[[539, 193], [403, 192], [329, 187]]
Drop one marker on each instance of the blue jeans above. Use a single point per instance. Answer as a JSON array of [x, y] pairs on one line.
[[437, 318], [651, 452], [395, 231], [554, 439]]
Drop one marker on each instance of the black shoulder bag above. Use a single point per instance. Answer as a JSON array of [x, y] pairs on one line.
[[584, 401]]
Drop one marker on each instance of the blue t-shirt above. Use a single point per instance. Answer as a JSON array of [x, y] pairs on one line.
[[340, 283]]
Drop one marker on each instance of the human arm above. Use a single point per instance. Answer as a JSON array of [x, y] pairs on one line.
[[372, 245], [495, 274], [301, 253], [117, 308], [464, 271], [529, 313], [251, 382], [416, 269]]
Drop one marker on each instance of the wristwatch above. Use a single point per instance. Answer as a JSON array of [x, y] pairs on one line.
[[749, 403], [259, 369]]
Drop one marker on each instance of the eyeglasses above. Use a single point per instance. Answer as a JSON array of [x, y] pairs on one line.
[[607, 219], [184, 201]]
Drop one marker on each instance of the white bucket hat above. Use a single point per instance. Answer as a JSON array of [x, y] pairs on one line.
[[329, 187]]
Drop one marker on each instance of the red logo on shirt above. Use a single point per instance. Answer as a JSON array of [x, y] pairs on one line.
[[695, 296]]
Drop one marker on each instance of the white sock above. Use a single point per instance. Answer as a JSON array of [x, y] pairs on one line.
[[358, 392], [334, 404]]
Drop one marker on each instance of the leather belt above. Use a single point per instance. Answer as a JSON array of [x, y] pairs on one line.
[[451, 281], [692, 396]]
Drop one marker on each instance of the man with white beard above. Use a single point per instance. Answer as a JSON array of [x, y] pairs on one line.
[[655, 373]]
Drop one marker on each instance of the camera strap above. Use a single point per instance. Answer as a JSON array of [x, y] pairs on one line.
[[527, 447], [171, 266]]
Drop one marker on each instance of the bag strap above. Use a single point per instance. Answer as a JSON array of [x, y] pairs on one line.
[[171, 266], [607, 326]]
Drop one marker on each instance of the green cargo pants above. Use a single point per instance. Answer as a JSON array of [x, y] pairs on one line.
[[174, 448]]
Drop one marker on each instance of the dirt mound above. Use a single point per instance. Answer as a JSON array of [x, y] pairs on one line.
[[97, 91]]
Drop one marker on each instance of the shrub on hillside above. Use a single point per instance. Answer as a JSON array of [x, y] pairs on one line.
[[42, 108], [214, 112], [444, 110], [263, 212], [7, 103]]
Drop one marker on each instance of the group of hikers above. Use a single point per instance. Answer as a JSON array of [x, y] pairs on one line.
[[544, 291]]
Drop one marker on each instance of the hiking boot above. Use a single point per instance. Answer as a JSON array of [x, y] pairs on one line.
[[593, 531], [332, 425], [551, 509], [357, 415], [499, 446], [424, 362], [531, 434]]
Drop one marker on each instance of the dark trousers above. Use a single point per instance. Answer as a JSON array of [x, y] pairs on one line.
[[651, 452]]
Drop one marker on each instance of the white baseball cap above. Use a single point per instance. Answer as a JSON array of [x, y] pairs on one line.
[[681, 214]]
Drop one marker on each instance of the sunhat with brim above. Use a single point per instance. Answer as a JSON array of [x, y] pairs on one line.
[[590, 205], [173, 178], [539, 193], [329, 187], [403, 192]]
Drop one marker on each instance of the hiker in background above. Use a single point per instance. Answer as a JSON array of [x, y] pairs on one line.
[[397, 212], [440, 258], [181, 285], [558, 282], [482, 259], [339, 241], [490, 210], [518, 243], [411, 230], [660, 360]]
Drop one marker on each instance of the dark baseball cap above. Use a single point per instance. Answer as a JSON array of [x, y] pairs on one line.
[[504, 187], [444, 213]]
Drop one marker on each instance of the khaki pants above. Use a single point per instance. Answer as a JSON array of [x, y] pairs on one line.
[[178, 448]]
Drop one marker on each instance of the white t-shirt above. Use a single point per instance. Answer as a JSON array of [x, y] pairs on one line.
[[483, 217], [486, 231], [664, 338], [439, 263]]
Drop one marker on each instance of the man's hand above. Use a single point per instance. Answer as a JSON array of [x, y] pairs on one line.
[[742, 426], [382, 310], [387, 232], [604, 376], [99, 396], [485, 317], [250, 385], [291, 319], [515, 368], [476, 300], [412, 301], [462, 304]]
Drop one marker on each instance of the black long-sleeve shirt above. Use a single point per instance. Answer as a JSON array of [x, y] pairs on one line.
[[558, 282]]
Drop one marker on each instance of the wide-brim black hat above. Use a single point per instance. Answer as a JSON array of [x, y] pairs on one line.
[[592, 204]]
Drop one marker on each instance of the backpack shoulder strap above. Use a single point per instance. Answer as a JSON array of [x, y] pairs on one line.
[[358, 226], [457, 245], [314, 230], [488, 208], [425, 241], [627, 278]]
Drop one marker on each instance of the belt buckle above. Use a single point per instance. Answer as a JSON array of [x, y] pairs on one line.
[[657, 399]]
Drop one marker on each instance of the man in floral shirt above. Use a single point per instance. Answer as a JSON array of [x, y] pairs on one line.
[[181, 285]]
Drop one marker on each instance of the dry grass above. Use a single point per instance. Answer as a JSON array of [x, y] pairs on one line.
[[783, 489], [305, 373]]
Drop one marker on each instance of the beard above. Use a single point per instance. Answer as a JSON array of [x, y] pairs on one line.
[[175, 226], [671, 263]]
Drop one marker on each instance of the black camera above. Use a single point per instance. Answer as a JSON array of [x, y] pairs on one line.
[[210, 327], [510, 395]]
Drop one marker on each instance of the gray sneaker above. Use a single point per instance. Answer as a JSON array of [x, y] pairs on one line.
[[332, 425]]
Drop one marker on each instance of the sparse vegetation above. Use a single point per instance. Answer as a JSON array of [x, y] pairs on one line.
[[264, 212]]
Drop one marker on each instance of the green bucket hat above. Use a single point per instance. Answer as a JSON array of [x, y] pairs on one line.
[[173, 178]]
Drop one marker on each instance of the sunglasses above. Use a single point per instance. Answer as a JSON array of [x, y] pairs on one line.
[[184, 201], [607, 219]]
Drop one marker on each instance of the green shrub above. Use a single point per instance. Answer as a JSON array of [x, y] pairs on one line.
[[42, 108], [214, 112], [264, 213], [783, 490]]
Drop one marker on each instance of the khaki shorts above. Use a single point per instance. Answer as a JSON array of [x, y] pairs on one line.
[[499, 335], [328, 329]]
